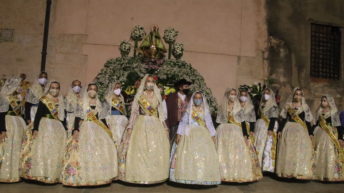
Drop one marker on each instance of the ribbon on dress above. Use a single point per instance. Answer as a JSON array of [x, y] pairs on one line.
[[118, 104], [92, 117], [52, 107], [297, 119], [274, 139], [15, 105], [231, 119], [196, 116], [329, 130], [147, 107]]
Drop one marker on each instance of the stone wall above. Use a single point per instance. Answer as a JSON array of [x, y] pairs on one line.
[[289, 24], [224, 39], [23, 54]]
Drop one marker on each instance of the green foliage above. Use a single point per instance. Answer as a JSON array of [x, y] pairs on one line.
[[128, 70]]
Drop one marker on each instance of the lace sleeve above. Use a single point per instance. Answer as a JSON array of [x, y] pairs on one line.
[[104, 111], [251, 116], [210, 125], [164, 109], [183, 124], [284, 112], [31, 98], [79, 112], [4, 104], [273, 112], [134, 113]]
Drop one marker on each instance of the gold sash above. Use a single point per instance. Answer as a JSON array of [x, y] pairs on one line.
[[16, 108], [147, 107], [25, 86], [265, 119], [232, 121], [297, 119], [52, 106], [328, 130], [274, 139], [118, 104], [92, 117], [195, 116]]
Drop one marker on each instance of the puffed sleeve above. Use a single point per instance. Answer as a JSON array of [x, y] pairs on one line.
[[210, 124], [183, 124]]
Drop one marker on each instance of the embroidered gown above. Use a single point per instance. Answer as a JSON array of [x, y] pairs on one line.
[[295, 149], [116, 118], [144, 156], [266, 145], [14, 125], [35, 92], [71, 101], [238, 160], [92, 159], [329, 155], [43, 155], [195, 160]]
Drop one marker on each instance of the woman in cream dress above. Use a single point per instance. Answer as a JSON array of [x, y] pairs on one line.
[[91, 155], [237, 156], [44, 149], [195, 160], [328, 138], [12, 127], [72, 100], [35, 92], [144, 151], [266, 131], [295, 149], [116, 112]]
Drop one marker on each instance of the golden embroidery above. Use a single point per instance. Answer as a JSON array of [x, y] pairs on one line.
[[52, 107], [196, 116], [232, 121], [15, 105], [117, 103], [274, 139], [328, 130], [147, 107], [296, 118], [92, 117]]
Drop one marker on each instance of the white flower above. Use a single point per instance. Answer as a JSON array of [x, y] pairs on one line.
[[137, 33], [170, 35]]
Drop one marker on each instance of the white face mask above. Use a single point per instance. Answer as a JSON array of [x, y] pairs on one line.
[[198, 102], [76, 89], [117, 91], [54, 92], [232, 97], [150, 86], [243, 98], [92, 93], [267, 97], [42, 81]]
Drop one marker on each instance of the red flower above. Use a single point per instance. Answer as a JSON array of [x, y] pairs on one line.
[[156, 78]]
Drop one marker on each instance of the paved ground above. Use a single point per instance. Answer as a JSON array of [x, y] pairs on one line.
[[267, 185]]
